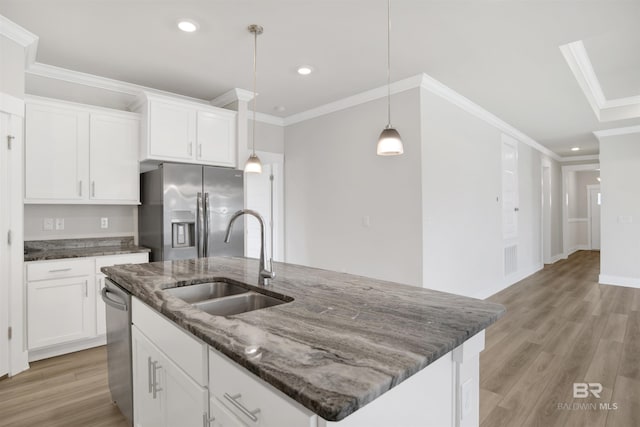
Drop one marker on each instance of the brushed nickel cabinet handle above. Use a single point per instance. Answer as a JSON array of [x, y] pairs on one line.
[[59, 270], [149, 374], [80, 188], [93, 189], [155, 368], [199, 151], [206, 421], [234, 401]]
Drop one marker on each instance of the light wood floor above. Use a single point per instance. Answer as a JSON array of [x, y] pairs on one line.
[[562, 327], [64, 391]]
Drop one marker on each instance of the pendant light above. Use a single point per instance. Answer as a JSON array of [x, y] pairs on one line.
[[253, 164], [389, 143]]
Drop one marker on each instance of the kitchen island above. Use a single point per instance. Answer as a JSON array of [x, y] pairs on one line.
[[353, 350]]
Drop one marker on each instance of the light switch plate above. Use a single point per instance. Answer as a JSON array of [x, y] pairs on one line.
[[59, 223]]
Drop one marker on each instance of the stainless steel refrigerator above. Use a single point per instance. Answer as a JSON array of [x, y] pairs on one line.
[[185, 211]]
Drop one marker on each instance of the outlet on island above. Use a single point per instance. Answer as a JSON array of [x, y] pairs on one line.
[[104, 222], [59, 223]]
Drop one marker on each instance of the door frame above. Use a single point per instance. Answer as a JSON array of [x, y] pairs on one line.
[[589, 219], [545, 203], [565, 200]]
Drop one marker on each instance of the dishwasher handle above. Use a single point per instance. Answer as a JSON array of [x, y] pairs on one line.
[[112, 303]]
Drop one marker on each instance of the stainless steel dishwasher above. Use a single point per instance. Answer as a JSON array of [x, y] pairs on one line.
[[119, 360]]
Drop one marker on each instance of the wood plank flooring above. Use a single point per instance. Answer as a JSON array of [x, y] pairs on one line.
[[563, 327], [65, 391]]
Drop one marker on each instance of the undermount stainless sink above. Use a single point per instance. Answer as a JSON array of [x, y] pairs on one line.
[[238, 304], [222, 297], [206, 291]]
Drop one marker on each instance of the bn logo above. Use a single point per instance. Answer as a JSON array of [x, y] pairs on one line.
[[582, 390]]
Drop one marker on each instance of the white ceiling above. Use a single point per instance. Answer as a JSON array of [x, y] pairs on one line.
[[503, 55]]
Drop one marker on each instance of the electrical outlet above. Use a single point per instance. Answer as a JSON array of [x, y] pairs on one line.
[[47, 224], [104, 222], [366, 221], [59, 223]]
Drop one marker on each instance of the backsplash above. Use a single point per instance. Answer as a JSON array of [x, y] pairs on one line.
[[80, 221]]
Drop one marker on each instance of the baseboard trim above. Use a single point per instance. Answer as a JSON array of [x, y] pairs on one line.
[[556, 258], [508, 281], [60, 349], [629, 282]]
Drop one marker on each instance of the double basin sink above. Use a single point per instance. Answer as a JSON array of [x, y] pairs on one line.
[[223, 297]]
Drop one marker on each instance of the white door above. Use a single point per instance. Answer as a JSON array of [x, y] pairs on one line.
[[60, 311], [509, 188], [113, 147], [171, 131], [216, 138], [264, 193], [595, 200], [5, 277], [56, 153]]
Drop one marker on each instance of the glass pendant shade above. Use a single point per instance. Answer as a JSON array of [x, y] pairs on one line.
[[389, 143], [253, 164]]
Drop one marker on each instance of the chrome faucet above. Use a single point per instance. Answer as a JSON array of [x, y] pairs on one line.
[[264, 275]]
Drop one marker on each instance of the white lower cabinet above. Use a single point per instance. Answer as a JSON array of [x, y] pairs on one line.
[[65, 311], [163, 394], [60, 310], [252, 401]]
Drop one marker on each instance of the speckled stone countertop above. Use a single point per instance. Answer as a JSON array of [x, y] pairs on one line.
[[40, 250], [341, 343]]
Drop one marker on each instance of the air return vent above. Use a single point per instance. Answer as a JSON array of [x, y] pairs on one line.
[[510, 260]]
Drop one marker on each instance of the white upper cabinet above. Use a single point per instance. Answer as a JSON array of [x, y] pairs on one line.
[[190, 132], [171, 131], [113, 164], [216, 138], [56, 152], [77, 153]]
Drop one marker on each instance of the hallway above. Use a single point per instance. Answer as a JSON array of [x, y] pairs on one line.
[[562, 327]]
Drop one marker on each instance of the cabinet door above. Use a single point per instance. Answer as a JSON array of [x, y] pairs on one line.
[[101, 309], [56, 153], [113, 147], [60, 311], [216, 138], [171, 131], [186, 402], [147, 404]]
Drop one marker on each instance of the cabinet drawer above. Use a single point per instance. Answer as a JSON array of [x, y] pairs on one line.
[[186, 351], [45, 270], [108, 261], [251, 400]]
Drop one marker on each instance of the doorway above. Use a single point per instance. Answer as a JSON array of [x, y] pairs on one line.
[[594, 200]]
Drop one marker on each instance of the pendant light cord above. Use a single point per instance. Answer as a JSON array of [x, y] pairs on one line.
[[389, 63], [255, 72]]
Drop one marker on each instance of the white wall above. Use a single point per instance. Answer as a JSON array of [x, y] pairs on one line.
[[620, 210], [333, 179], [11, 68], [461, 192], [80, 221], [268, 137]]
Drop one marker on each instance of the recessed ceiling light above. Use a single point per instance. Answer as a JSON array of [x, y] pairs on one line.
[[305, 70], [188, 25], [575, 149], [279, 108]]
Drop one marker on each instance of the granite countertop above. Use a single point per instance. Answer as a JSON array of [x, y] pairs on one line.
[[342, 342], [41, 250]]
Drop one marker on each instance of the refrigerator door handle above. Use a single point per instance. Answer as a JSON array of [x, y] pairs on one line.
[[199, 224], [206, 225]]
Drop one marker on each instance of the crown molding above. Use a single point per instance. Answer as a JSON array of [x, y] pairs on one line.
[[269, 119], [352, 101], [585, 158], [231, 96], [605, 109], [21, 36], [437, 88], [617, 131]]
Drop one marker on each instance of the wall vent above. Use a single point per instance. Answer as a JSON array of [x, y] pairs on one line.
[[510, 260]]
